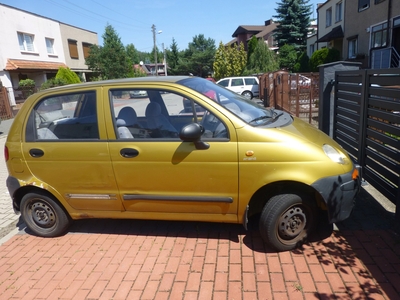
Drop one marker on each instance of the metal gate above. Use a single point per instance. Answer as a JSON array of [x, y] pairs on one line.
[[367, 124]]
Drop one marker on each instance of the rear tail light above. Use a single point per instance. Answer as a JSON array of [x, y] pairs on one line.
[[5, 153]]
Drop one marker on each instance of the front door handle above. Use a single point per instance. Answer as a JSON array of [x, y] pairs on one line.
[[129, 152], [36, 152]]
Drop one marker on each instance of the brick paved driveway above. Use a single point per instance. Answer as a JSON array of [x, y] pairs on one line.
[[133, 259]]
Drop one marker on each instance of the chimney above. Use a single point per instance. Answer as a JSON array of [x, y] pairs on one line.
[[268, 22]]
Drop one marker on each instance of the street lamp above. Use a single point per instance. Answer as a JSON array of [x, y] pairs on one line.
[[153, 28]]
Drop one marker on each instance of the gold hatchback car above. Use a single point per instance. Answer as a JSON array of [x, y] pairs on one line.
[[186, 149]]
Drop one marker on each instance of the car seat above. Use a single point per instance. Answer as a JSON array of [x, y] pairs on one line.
[[128, 114], [158, 123]]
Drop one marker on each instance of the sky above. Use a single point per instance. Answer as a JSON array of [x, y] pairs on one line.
[[177, 19]]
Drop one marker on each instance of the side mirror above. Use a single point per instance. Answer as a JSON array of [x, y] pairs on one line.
[[192, 133]]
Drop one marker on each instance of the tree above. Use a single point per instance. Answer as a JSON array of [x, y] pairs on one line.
[[293, 18], [251, 45], [132, 54], [262, 60], [229, 61], [173, 57], [287, 57], [111, 60], [199, 57]]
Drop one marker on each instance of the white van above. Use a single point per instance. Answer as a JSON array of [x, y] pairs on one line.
[[246, 85]]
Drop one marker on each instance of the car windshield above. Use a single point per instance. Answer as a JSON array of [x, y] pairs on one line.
[[248, 110]]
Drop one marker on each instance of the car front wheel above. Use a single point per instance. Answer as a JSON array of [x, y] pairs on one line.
[[287, 220], [43, 215]]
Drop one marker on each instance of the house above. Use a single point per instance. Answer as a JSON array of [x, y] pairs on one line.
[[366, 31], [34, 47], [76, 44], [372, 33], [330, 31], [245, 32]]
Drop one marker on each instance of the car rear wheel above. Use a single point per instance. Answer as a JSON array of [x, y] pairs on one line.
[[247, 94], [43, 215], [287, 220]]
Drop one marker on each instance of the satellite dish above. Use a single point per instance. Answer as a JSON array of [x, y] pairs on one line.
[[141, 63]]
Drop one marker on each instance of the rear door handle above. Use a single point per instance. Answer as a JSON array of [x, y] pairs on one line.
[[36, 152], [129, 152]]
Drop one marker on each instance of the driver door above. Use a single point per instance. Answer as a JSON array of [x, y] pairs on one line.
[[162, 176]]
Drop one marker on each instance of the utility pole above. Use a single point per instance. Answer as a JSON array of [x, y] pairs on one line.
[[153, 28], [165, 60]]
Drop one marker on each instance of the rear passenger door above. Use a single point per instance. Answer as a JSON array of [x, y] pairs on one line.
[[65, 146], [237, 85]]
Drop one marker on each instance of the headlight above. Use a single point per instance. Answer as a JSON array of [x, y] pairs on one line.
[[333, 154]]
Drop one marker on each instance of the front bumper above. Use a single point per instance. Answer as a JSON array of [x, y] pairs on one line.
[[339, 193]]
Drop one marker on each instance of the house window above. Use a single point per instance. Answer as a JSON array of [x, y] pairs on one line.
[[396, 22], [312, 49], [86, 49], [378, 1], [50, 45], [379, 36], [329, 17], [338, 12], [26, 42], [363, 4], [352, 47], [73, 49]]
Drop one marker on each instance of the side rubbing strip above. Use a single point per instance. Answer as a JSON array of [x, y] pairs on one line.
[[92, 196], [178, 198]]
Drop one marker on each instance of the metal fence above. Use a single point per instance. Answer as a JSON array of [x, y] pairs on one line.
[[367, 125]]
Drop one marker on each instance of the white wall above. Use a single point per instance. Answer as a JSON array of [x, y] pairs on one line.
[[13, 21]]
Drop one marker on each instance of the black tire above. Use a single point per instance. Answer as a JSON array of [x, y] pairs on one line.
[[287, 220], [43, 215], [248, 94]]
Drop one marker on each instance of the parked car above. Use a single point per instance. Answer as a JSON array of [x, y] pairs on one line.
[[302, 82], [246, 86], [100, 154]]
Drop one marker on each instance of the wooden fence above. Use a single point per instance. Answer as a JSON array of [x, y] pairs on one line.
[[297, 94]]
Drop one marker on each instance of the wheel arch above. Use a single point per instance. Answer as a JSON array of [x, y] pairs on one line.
[[21, 192], [265, 193]]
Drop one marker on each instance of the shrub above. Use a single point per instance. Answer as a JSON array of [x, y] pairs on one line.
[[27, 86], [53, 82], [323, 56], [302, 64], [67, 75]]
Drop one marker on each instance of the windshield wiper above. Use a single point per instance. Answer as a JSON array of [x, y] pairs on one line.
[[271, 119], [260, 118]]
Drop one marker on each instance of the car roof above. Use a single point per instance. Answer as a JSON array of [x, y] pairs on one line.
[[238, 77], [148, 79]]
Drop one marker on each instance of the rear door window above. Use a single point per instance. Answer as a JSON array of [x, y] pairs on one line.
[[237, 82], [67, 116]]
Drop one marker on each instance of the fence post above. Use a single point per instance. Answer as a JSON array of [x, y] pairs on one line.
[[266, 98]]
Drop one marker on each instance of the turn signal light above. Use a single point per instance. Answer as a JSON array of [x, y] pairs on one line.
[[355, 174]]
